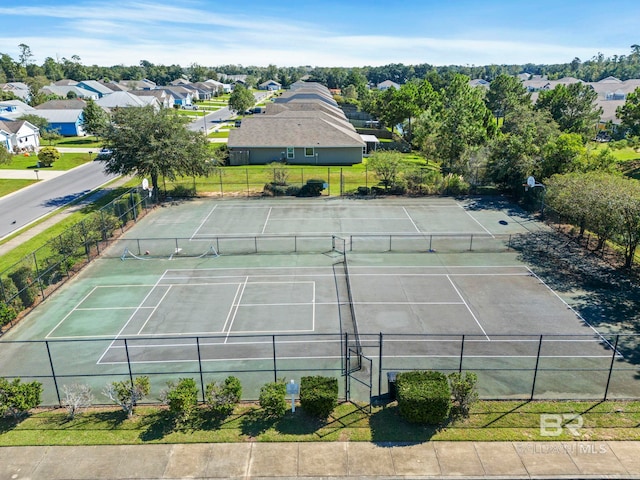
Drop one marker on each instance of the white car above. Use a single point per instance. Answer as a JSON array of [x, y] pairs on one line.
[[189, 107]]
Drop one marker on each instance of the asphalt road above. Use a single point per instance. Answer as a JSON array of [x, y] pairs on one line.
[[29, 204], [219, 116]]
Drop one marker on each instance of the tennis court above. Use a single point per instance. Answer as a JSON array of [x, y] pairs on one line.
[[168, 300]]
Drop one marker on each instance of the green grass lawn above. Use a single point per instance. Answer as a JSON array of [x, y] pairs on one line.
[[488, 421], [80, 142], [8, 186], [67, 162]]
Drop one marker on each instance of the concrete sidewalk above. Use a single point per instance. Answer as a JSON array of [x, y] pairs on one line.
[[335, 460], [33, 174]]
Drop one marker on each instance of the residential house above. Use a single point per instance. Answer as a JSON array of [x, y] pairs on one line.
[[13, 109], [295, 132], [66, 121], [97, 87], [144, 84], [65, 91], [479, 82], [164, 97], [270, 85], [387, 84], [19, 89], [19, 136], [182, 97], [122, 100]]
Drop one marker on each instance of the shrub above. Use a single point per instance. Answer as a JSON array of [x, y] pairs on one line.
[[273, 398], [10, 294], [319, 395], [127, 395], [7, 313], [423, 396], [17, 398], [76, 397], [274, 190], [463, 390], [222, 397], [47, 156], [313, 188], [180, 191], [182, 399], [292, 190], [454, 185], [23, 280]]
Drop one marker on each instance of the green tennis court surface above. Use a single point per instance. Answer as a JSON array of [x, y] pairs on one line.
[[257, 289]]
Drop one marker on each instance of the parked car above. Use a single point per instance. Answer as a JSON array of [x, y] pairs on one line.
[[190, 107], [104, 154]]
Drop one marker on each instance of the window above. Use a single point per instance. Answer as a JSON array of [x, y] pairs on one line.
[[290, 153], [308, 152]]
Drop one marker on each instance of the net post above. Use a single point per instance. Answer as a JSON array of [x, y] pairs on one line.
[[535, 372], [471, 243], [613, 357]]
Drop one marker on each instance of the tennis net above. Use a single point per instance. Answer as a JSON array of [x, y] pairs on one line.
[[354, 343]]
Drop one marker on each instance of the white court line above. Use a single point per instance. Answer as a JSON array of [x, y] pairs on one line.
[[315, 219], [468, 308], [475, 220], [97, 309], [411, 220], [71, 311], [203, 221], [154, 310], [236, 306], [233, 302], [617, 352], [266, 220], [115, 339]]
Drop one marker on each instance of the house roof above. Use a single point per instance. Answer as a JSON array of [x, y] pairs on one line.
[[101, 88], [73, 104], [62, 91], [12, 126], [281, 132], [388, 84], [120, 99], [270, 82], [60, 115]]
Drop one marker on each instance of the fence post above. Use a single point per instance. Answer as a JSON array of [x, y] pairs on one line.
[[246, 171], [35, 262], [535, 372], [126, 349], [53, 372], [461, 354], [220, 176], [471, 243], [275, 364], [381, 338], [329, 181], [613, 357], [200, 369]]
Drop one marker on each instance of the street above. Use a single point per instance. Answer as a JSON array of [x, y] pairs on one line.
[[29, 204]]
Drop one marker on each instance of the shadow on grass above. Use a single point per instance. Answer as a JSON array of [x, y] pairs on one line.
[[255, 423], [299, 423], [387, 426], [156, 425]]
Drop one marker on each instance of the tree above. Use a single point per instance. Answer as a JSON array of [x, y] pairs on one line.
[[506, 93], [241, 99], [146, 142], [75, 398], [127, 394], [573, 107], [387, 167], [465, 123], [94, 118], [222, 397], [629, 113], [518, 151], [47, 156]]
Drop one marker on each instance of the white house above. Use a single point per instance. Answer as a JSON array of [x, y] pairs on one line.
[[19, 136]]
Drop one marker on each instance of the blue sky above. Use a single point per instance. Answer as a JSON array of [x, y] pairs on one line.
[[319, 33]]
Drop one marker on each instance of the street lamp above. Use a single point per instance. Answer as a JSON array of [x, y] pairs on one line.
[[532, 183]]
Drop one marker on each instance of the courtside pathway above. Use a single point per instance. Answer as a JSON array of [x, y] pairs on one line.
[[326, 460]]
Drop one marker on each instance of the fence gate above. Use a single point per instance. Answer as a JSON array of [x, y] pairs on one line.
[[358, 369]]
